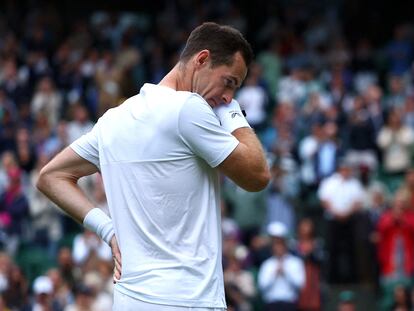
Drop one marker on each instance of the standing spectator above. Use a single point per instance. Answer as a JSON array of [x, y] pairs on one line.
[[14, 210], [240, 286], [309, 248], [341, 196], [361, 137], [282, 276], [408, 186], [396, 241]]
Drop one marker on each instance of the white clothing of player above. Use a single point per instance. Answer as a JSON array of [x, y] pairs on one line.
[[157, 153]]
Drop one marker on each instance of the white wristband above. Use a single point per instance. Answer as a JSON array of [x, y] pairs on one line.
[[97, 221], [231, 117]]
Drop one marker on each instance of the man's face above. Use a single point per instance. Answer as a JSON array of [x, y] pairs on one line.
[[217, 85]]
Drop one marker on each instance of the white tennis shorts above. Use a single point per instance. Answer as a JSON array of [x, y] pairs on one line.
[[123, 302]]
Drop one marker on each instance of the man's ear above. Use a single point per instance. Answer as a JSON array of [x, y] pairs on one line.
[[202, 58]]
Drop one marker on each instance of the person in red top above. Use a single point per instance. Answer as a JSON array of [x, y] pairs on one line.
[[396, 240]]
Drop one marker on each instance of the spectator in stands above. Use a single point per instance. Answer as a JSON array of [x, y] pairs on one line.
[[408, 186], [341, 196], [397, 92], [44, 295], [14, 209], [253, 99], [239, 282], [47, 100], [8, 161], [395, 140], [396, 241], [329, 152], [102, 300], [309, 248], [70, 273], [61, 291], [80, 123], [88, 249], [282, 276], [16, 296], [46, 219], [361, 137], [25, 150], [84, 298], [347, 301]]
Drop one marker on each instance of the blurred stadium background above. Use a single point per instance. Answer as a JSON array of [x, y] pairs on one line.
[[331, 92]]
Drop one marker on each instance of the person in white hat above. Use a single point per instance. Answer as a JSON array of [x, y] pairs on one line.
[[43, 295], [281, 276]]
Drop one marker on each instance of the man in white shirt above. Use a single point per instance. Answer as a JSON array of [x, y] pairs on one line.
[[159, 154], [282, 276], [341, 196]]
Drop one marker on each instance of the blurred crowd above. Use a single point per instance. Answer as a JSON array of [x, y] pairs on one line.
[[335, 115]]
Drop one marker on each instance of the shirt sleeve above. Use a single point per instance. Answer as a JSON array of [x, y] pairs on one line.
[[87, 146], [201, 131]]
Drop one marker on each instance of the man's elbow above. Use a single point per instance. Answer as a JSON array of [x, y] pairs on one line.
[[42, 181], [259, 182]]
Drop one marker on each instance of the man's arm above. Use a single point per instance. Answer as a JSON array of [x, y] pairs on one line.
[[247, 165], [58, 181]]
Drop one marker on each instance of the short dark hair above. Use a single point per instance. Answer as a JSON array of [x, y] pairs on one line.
[[222, 42]]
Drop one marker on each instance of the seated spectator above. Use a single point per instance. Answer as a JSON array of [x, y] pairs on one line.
[[16, 296], [402, 301], [253, 99], [84, 298], [282, 276], [70, 273], [62, 292], [80, 123], [44, 295], [102, 299], [47, 100]]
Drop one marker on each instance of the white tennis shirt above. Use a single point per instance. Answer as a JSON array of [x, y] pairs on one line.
[[157, 152]]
